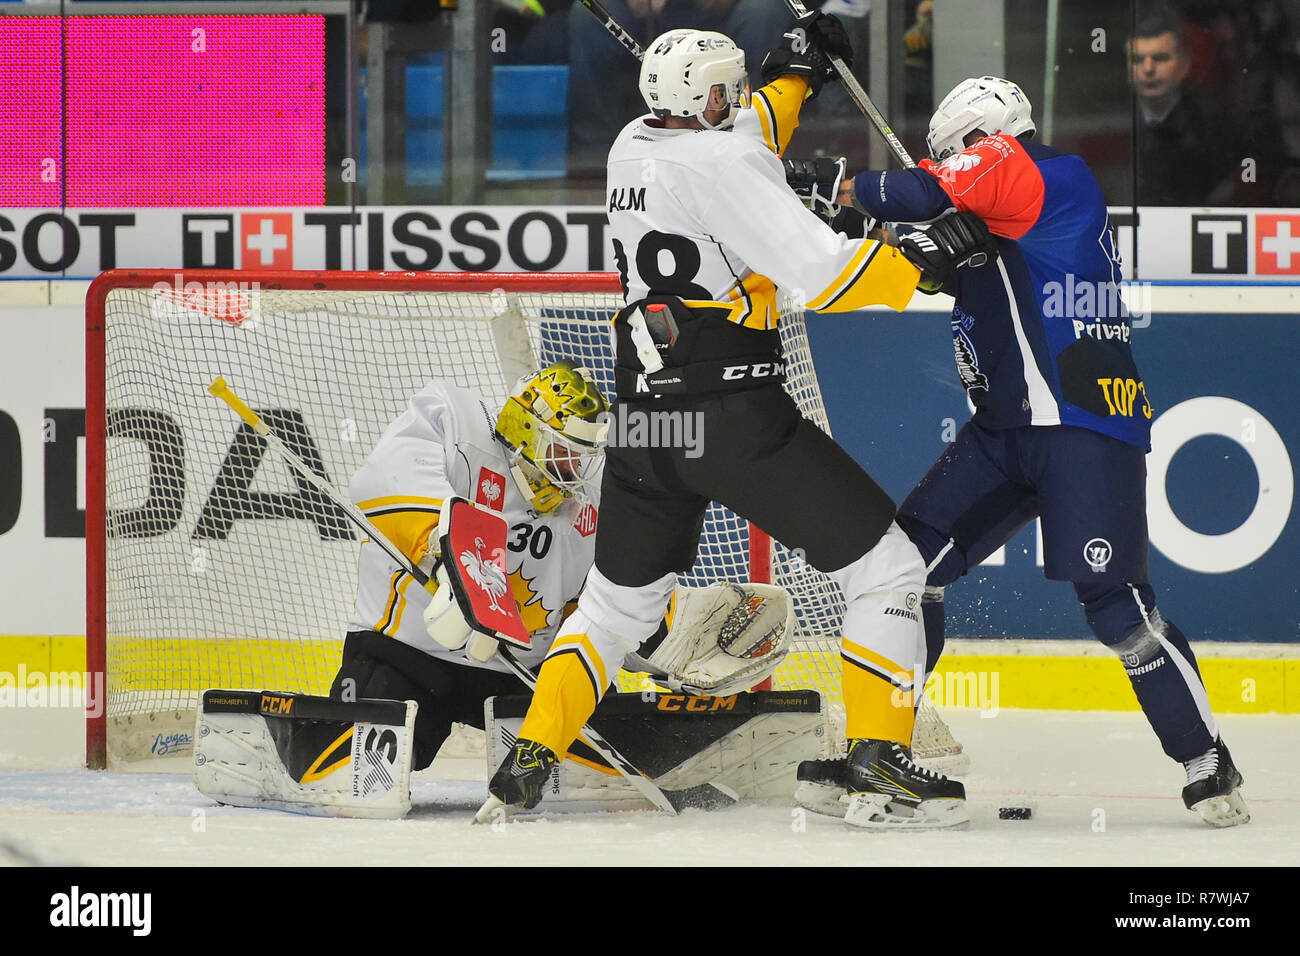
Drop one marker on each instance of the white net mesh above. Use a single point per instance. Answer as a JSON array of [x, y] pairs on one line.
[[225, 569]]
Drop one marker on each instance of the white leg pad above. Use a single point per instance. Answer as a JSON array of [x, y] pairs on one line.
[[237, 762]]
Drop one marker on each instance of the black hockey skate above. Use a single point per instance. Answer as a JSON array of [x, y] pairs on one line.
[[1214, 788], [888, 791], [821, 786], [518, 782]]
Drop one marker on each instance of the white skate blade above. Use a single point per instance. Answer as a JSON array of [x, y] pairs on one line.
[[875, 811], [495, 810], [1225, 811], [824, 798]]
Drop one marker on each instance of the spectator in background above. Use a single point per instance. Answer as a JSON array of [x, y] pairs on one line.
[[602, 94], [1244, 59], [1189, 152], [918, 71], [535, 30], [918, 41], [754, 25]]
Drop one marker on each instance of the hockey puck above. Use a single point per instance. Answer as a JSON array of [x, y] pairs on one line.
[[1015, 813]]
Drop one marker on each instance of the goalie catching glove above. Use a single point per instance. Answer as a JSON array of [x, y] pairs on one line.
[[954, 239], [724, 638]]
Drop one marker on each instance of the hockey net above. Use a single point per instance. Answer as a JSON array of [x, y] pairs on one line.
[[211, 564]]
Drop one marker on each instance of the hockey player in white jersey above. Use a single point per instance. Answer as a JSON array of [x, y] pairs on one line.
[[705, 230]]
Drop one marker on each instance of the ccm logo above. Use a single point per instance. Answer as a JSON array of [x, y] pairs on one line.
[[757, 370], [698, 705], [276, 705]]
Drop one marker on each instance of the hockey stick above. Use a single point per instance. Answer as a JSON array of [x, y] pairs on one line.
[[855, 90], [615, 28], [640, 781], [861, 99]]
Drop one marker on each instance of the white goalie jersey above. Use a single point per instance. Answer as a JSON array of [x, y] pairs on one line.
[[444, 445]]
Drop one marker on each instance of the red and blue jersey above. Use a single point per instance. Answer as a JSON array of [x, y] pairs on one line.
[[1042, 336]]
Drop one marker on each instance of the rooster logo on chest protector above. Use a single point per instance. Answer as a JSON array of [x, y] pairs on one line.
[[486, 573]]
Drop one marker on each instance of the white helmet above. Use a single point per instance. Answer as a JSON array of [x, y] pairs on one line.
[[988, 103], [682, 66]]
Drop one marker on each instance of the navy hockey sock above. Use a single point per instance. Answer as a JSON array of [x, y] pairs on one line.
[[1159, 663]]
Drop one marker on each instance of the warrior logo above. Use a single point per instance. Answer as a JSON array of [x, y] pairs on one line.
[[1097, 553], [968, 363], [490, 488]]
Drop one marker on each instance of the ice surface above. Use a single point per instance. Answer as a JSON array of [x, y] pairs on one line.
[[1103, 795]]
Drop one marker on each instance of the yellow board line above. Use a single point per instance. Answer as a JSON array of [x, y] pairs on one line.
[[1236, 685]]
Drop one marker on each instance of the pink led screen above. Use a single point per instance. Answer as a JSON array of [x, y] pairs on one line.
[[164, 111]]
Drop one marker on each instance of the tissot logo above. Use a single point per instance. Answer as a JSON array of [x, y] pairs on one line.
[[266, 240], [1277, 245], [1219, 245], [208, 241]]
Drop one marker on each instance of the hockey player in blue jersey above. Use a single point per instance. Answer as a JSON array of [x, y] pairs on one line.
[[1062, 418]]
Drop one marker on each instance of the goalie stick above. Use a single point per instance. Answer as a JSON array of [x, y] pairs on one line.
[[668, 802]]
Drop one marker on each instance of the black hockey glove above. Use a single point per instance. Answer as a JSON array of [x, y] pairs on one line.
[[805, 51], [850, 222], [816, 182], [955, 239]]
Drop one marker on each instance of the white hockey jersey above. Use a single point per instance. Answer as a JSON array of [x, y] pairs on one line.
[[443, 445], [707, 215]]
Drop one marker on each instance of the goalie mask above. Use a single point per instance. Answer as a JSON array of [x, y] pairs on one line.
[[554, 424], [989, 103], [682, 67]]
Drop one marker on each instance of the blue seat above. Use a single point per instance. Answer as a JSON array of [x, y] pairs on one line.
[[425, 100], [530, 128], [530, 125]]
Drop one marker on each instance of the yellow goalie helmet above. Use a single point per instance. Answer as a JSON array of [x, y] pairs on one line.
[[555, 425]]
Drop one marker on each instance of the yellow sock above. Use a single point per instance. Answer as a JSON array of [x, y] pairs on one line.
[[876, 704], [566, 695]]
